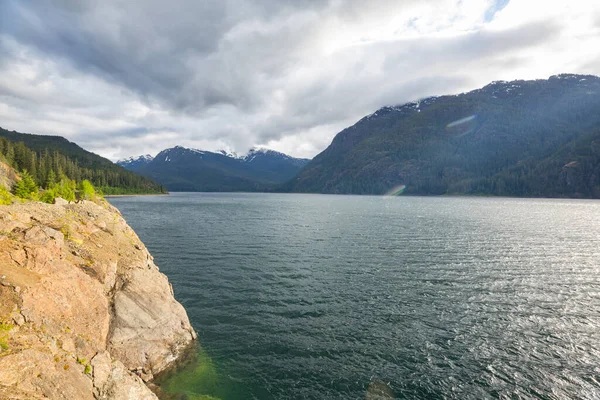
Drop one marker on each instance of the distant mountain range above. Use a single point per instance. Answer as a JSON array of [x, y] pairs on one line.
[[184, 169], [520, 138]]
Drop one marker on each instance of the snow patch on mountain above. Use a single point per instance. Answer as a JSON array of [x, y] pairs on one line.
[[145, 157], [230, 154], [259, 151]]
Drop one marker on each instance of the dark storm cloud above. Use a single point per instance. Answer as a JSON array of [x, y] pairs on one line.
[[177, 52], [168, 50], [144, 46]]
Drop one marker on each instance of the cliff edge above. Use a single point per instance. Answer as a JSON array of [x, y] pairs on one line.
[[84, 311]]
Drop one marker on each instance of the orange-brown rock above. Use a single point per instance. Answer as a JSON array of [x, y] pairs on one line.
[[83, 308]]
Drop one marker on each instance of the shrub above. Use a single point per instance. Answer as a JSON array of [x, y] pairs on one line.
[[4, 329], [48, 196], [65, 189], [5, 198]]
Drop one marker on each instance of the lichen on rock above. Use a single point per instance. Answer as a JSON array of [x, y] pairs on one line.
[[77, 284]]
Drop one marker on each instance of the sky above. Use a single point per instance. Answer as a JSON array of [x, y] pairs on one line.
[[130, 77]]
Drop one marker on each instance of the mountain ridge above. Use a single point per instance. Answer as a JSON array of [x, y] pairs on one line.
[[486, 141], [185, 169]]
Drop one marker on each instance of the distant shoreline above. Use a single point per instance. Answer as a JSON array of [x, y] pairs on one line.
[[132, 195]]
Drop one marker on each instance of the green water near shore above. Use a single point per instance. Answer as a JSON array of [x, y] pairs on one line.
[[197, 379]]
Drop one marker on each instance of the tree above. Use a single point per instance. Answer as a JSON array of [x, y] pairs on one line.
[[47, 158], [66, 189], [26, 187], [50, 180], [86, 190]]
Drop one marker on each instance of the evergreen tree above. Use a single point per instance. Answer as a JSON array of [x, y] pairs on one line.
[[86, 190], [48, 163], [25, 188], [50, 180]]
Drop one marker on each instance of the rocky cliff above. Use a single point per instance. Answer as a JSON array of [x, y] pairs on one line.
[[84, 311]]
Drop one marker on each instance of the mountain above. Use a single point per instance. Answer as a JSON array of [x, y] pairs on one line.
[[278, 166], [520, 138], [183, 169], [133, 163], [40, 154]]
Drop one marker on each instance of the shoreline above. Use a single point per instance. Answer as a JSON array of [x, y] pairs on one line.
[[445, 195], [135, 195]]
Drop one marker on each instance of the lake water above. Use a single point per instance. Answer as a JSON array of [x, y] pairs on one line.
[[338, 297]]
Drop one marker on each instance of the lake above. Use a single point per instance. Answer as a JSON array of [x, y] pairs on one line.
[[346, 297]]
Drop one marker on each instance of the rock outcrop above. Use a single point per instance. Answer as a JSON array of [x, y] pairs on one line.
[[8, 176], [84, 311]]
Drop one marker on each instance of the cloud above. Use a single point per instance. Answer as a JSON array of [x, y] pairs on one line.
[[123, 78]]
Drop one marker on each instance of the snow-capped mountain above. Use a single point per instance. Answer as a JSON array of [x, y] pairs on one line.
[[261, 154], [231, 154], [185, 169], [132, 163]]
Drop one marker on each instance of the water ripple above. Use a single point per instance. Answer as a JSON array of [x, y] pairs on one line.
[[305, 296]]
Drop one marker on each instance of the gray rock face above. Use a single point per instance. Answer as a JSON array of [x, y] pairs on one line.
[[112, 381], [149, 328]]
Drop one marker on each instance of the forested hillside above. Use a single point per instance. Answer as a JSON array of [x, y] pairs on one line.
[[47, 158], [520, 138]]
